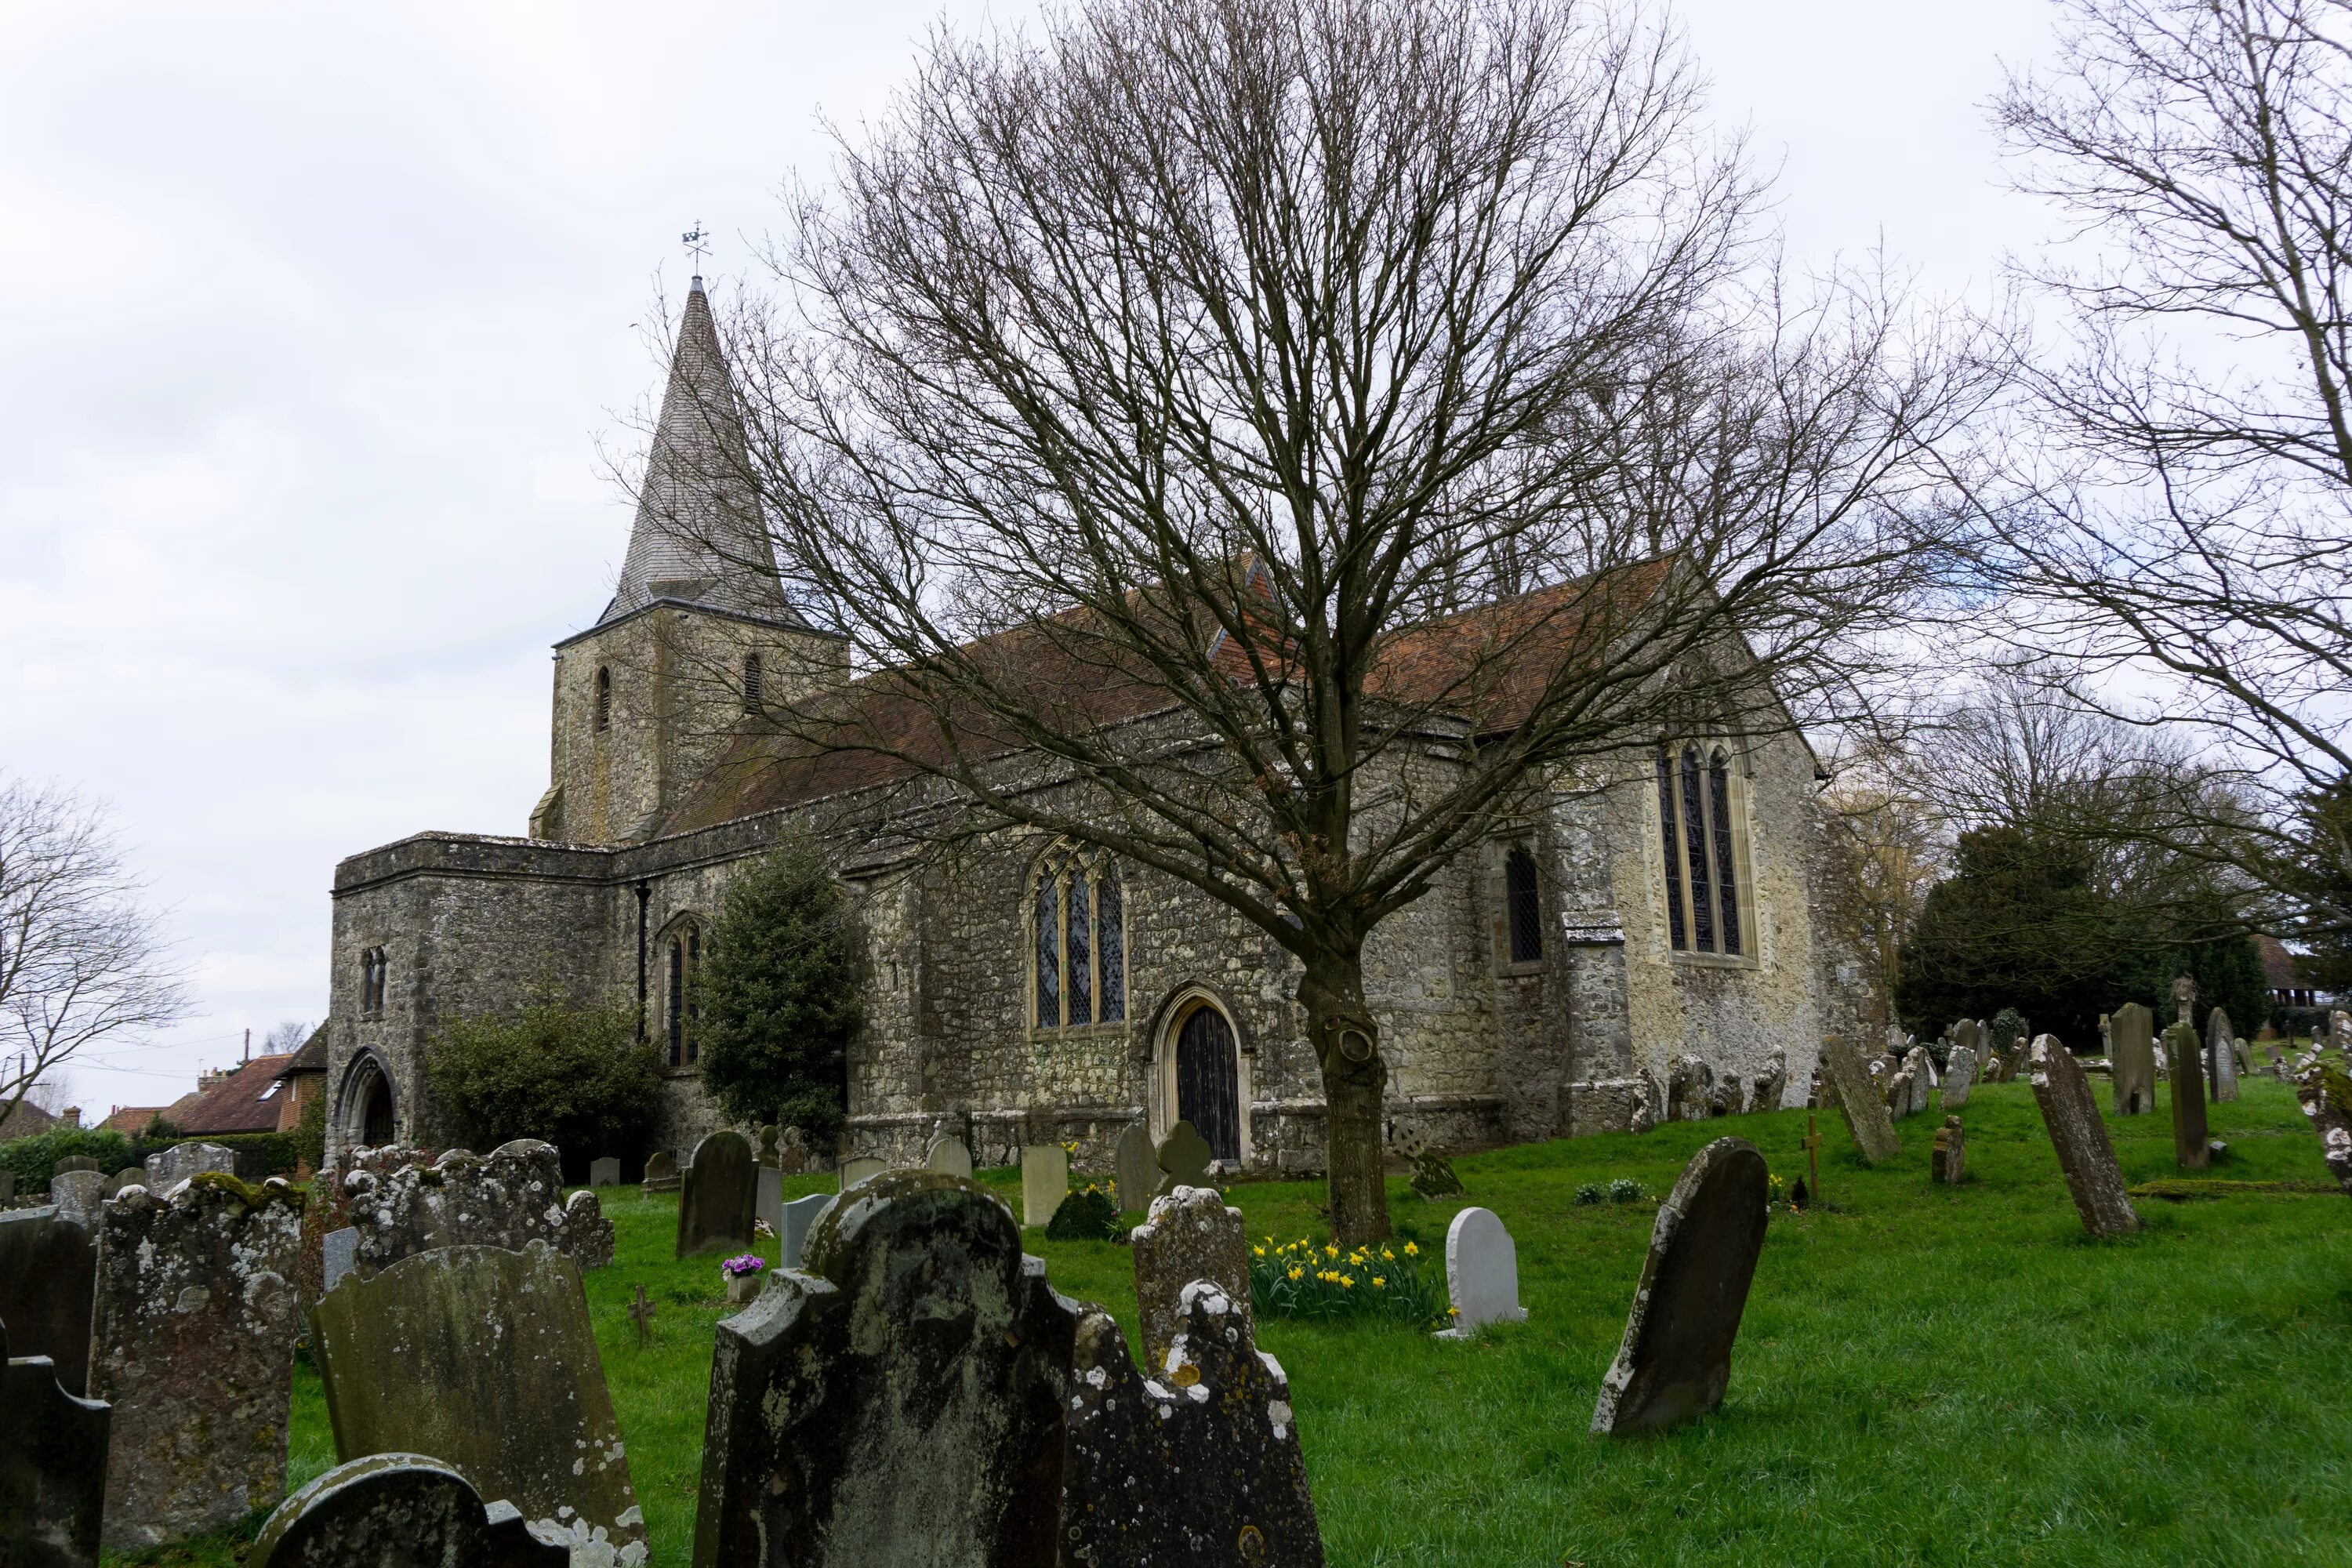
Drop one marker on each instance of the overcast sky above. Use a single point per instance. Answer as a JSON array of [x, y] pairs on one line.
[[315, 320]]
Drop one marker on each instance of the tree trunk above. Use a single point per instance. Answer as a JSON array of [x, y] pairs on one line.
[[1347, 1047]]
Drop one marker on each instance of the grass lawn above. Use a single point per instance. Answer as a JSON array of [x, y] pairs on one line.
[[1923, 1377]]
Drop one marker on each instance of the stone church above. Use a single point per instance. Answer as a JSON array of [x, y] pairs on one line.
[[1569, 977]]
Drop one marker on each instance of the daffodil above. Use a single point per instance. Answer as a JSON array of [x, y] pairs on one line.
[[1257, 1251], [1333, 1248], [1411, 1251], [1378, 1282], [1347, 1282], [1296, 1272], [1386, 1256]]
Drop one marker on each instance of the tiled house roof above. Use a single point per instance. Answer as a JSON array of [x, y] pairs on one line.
[[244, 1101]]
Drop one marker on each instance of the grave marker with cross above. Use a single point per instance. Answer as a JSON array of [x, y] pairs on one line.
[[641, 1312], [1812, 1145]]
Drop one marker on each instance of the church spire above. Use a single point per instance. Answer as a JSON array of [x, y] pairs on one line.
[[699, 535]]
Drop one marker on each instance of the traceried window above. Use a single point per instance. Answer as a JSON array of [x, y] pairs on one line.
[[1077, 909], [603, 700], [1697, 822], [751, 679], [685, 968], [1523, 900]]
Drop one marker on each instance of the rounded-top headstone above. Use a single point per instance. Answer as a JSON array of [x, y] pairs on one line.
[[721, 1197], [1482, 1273]]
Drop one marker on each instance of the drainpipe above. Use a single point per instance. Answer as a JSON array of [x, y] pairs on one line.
[[644, 895]]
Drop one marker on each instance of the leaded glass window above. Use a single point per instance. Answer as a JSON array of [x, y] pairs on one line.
[[1079, 957]]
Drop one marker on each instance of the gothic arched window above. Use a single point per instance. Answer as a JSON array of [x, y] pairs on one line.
[[373, 968], [680, 1002], [605, 699], [1697, 820], [1078, 937], [1523, 901], [751, 675]]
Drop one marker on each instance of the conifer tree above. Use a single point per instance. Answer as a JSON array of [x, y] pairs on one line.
[[780, 998]]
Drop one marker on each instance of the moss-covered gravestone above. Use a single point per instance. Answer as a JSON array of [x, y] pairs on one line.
[[720, 1200], [1675, 1361], [399, 1510], [48, 1268], [52, 1466], [2131, 1054], [2085, 1153], [193, 1343], [484, 1358], [1859, 1101]]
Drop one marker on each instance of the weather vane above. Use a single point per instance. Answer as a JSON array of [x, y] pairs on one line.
[[696, 241]]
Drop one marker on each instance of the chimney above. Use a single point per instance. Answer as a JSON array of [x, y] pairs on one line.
[[71, 1116]]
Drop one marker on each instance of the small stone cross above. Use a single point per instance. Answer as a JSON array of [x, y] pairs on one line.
[[641, 1312], [1812, 1147], [1185, 1158]]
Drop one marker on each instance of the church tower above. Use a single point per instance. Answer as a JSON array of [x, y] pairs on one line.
[[698, 632]]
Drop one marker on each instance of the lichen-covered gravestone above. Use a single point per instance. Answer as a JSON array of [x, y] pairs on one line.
[[77, 1195], [1947, 1163], [2131, 1048], [2221, 1055], [169, 1168], [2085, 1154], [793, 1228], [1959, 1076], [509, 1197], [1191, 1235], [1482, 1274], [1135, 1168], [1045, 1181], [52, 1466], [1858, 1102], [484, 1358], [48, 1268], [721, 1197], [1771, 1085], [338, 1249], [1675, 1362], [949, 1155], [399, 1510], [2326, 1095], [193, 1343], [1921, 1072]]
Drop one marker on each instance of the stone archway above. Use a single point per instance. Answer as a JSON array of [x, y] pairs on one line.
[[1201, 1074], [367, 1110]]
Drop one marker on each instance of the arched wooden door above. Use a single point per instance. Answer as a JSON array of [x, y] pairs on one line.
[[1208, 1086], [378, 1116]]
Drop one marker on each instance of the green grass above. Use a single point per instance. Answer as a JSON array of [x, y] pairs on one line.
[[1924, 1376]]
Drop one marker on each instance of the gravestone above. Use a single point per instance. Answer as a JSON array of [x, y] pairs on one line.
[[129, 1176], [721, 1197], [947, 1155], [1675, 1359], [792, 1151], [921, 1394], [1898, 1093], [1184, 1158], [399, 1510], [53, 1450], [1045, 1181], [2085, 1154], [1690, 1088], [74, 1163], [192, 1341], [176, 1165], [1959, 1076], [2221, 1055], [605, 1173], [2192, 1147], [1858, 1101], [77, 1195], [48, 1271], [1191, 1235], [1135, 1168], [2326, 1095], [768, 1204], [1947, 1163], [339, 1250], [1771, 1085], [509, 1197], [797, 1217], [1482, 1274], [416, 1358], [1923, 1078], [860, 1170], [7, 1186], [661, 1173], [2131, 1048], [1968, 1032]]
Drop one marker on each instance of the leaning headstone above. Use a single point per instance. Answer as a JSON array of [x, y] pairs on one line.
[[509, 1197], [2221, 1055], [76, 1195], [863, 1168], [949, 1155], [53, 1450], [2192, 1147], [1959, 1076], [1191, 1235], [1183, 1157], [1135, 1168], [1675, 1361], [48, 1269], [401, 1510], [1947, 1163], [1045, 1181], [661, 1173], [193, 1343], [176, 1165], [721, 1197], [2085, 1154], [2131, 1046], [1858, 1101], [794, 1222], [409, 1369], [340, 1251], [920, 1393], [605, 1173], [1482, 1274]]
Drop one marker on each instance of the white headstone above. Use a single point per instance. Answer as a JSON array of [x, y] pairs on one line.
[[948, 1155], [605, 1173], [864, 1168], [795, 1219], [77, 1194], [1045, 1181], [1482, 1273], [1959, 1076], [341, 1246], [176, 1165]]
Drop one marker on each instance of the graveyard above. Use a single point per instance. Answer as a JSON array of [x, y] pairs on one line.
[[1924, 1373]]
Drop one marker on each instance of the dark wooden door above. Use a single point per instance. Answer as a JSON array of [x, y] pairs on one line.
[[1208, 1087]]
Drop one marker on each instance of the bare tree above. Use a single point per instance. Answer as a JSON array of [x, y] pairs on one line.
[[1272, 439], [286, 1036], [2189, 539], [1891, 844], [82, 958]]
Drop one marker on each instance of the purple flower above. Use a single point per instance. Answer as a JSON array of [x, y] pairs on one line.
[[736, 1267]]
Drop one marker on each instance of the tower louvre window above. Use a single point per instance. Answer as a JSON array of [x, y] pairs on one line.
[[750, 683], [1523, 897], [605, 699]]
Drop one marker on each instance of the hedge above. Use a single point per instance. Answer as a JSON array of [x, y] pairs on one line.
[[259, 1155]]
